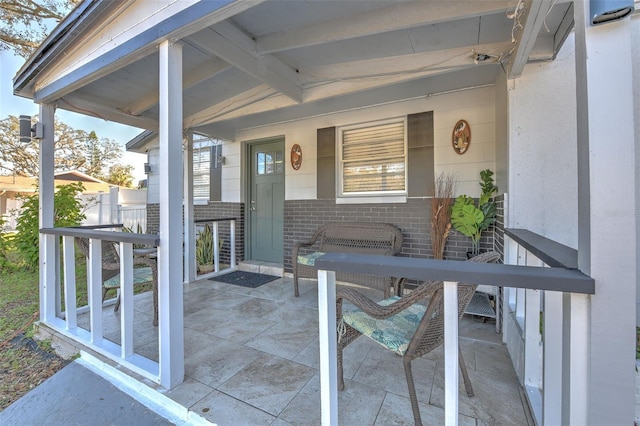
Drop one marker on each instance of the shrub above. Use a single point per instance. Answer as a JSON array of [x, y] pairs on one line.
[[67, 212], [5, 244]]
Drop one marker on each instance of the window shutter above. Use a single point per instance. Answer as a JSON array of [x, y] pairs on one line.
[[326, 163], [420, 154]]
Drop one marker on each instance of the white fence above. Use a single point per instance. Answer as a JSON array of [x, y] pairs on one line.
[[120, 205]]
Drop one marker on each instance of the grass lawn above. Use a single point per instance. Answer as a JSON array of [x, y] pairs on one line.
[[25, 363]]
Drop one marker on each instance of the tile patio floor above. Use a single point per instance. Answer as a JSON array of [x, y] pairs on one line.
[[251, 358]]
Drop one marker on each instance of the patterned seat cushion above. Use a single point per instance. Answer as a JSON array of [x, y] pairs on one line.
[[309, 259], [394, 332], [140, 276]]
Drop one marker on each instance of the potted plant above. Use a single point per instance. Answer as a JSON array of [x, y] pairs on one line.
[[204, 250], [471, 219]]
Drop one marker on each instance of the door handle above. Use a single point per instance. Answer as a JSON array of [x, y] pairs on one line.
[[253, 205]]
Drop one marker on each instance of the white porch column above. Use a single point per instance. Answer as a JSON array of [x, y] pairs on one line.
[[189, 225], [170, 256], [328, 348], [607, 222], [47, 242]]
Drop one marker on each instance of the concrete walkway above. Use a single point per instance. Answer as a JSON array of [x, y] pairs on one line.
[[77, 396]]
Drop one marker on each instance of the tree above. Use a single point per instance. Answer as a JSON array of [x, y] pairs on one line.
[[121, 175], [25, 23], [73, 150]]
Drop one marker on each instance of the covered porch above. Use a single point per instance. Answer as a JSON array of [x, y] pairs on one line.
[[303, 75], [252, 357]]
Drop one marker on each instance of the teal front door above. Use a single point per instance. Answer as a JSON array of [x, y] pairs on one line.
[[266, 201]]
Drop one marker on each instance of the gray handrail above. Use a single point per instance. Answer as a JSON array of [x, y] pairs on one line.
[[92, 232], [550, 252], [536, 278]]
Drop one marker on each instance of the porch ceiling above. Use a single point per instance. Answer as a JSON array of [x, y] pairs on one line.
[[284, 60]]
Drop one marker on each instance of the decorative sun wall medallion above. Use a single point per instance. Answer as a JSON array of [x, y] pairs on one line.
[[296, 156], [461, 137]]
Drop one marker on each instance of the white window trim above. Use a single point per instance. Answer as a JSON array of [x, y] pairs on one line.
[[373, 197]]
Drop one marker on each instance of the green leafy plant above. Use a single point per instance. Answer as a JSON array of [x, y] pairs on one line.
[[204, 247], [138, 230], [471, 219], [67, 209]]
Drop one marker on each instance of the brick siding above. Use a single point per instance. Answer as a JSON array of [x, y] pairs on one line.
[[211, 211]]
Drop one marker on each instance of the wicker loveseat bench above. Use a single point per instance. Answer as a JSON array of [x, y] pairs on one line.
[[347, 237]]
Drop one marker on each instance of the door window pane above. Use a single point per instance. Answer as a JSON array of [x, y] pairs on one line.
[[269, 163]]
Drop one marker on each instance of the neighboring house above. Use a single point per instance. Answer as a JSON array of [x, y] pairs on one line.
[[12, 187], [293, 88]]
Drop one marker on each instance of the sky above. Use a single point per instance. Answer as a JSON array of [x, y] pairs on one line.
[[14, 105]]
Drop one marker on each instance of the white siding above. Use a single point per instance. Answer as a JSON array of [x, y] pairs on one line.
[[543, 176], [477, 106]]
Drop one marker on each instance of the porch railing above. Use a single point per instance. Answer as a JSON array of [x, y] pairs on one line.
[[66, 322], [216, 247], [556, 280], [531, 323], [133, 217]]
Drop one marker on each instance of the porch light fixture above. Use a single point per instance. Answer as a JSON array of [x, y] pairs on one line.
[[27, 131], [603, 11], [480, 57]]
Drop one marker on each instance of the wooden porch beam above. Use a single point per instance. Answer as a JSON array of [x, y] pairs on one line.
[[349, 78], [235, 103], [229, 43], [534, 16], [81, 106], [201, 73], [399, 16]]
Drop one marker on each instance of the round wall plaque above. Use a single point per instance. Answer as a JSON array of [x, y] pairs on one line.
[[296, 156], [461, 137]]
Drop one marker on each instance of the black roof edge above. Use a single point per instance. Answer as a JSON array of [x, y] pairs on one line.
[[140, 140], [51, 46]]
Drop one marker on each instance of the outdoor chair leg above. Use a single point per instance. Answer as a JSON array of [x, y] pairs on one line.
[[340, 370], [465, 375], [412, 391]]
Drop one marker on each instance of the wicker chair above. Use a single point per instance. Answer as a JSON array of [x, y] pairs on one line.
[[347, 237], [111, 269], [403, 325]]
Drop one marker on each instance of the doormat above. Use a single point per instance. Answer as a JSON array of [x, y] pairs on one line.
[[244, 279]]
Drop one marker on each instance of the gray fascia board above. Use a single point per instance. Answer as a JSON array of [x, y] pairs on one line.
[[135, 45], [493, 274]]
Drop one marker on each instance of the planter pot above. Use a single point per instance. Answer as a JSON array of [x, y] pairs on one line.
[[205, 269]]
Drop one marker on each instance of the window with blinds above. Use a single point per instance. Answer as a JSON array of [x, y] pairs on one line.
[[373, 159], [201, 172]]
